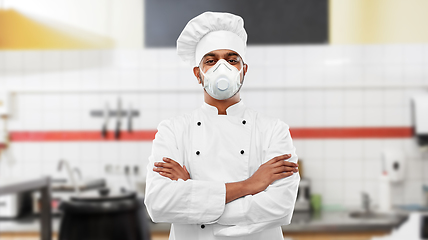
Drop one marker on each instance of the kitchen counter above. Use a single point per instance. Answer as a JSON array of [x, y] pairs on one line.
[[26, 224], [20, 185], [338, 221]]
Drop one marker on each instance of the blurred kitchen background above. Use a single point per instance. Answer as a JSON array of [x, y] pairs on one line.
[[349, 77]]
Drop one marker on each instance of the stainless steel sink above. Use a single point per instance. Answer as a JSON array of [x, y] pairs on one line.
[[372, 215]]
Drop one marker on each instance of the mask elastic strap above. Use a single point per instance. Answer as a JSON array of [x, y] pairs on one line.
[[202, 72]]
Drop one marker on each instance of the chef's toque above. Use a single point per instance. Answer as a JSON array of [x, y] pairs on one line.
[[211, 31]]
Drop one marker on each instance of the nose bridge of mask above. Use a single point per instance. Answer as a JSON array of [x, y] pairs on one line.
[[218, 65], [224, 63]]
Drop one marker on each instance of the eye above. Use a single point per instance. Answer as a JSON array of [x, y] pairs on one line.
[[233, 61], [210, 61]]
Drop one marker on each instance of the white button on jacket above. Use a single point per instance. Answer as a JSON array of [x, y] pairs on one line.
[[217, 149]]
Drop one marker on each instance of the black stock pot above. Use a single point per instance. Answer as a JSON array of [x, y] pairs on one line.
[[103, 216]]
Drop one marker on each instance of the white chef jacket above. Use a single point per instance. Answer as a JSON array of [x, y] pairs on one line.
[[217, 149]]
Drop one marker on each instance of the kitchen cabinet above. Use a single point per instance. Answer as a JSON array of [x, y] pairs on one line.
[[23, 236], [311, 236], [335, 236], [36, 236], [160, 236], [308, 236], [326, 226], [164, 236]]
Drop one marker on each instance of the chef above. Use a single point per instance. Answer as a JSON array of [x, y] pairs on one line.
[[222, 171]]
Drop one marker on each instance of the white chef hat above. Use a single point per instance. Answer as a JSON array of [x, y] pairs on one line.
[[211, 31]]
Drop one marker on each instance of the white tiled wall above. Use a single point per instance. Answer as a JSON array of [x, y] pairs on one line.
[[306, 86]]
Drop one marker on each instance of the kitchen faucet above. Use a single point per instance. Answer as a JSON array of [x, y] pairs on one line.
[[78, 172], [69, 173]]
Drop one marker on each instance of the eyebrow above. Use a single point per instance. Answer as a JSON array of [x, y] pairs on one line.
[[210, 54]]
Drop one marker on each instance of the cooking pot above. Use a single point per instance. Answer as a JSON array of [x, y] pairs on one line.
[[103, 215]]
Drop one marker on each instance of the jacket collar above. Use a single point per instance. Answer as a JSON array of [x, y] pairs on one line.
[[236, 109]]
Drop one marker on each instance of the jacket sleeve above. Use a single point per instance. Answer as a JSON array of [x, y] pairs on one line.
[[271, 207], [187, 202]]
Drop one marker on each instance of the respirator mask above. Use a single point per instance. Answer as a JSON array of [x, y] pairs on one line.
[[222, 81]]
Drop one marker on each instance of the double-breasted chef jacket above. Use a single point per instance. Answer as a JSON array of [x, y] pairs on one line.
[[218, 149]]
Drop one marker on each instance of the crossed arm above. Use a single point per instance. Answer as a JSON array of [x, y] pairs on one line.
[[275, 169], [260, 201]]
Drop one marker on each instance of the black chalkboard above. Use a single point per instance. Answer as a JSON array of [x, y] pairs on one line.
[[266, 21]]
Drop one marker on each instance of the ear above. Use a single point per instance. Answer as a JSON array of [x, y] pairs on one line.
[[197, 74], [245, 68]]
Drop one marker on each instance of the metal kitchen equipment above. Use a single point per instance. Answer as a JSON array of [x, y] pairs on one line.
[[117, 132], [425, 195], [37, 184], [14, 205], [424, 226], [130, 115], [303, 202], [102, 215], [10, 205], [69, 172], [104, 130], [420, 120]]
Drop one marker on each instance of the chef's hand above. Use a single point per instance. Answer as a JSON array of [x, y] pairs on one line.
[[171, 169], [275, 169]]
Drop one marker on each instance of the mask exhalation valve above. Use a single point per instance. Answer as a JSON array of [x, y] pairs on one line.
[[222, 84]]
